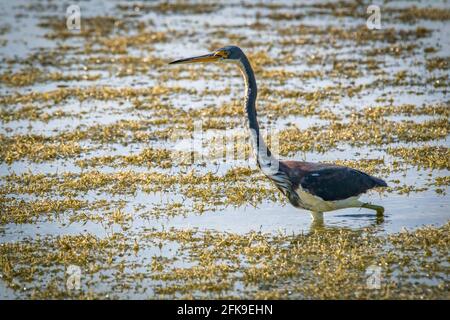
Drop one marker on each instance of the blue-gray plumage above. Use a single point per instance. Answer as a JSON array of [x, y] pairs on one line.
[[317, 187]]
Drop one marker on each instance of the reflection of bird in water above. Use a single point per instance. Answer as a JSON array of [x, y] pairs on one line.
[[318, 224], [317, 187]]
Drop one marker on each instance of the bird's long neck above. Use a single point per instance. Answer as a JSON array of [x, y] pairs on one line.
[[262, 152]]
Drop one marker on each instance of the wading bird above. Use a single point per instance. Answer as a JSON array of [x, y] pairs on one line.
[[317, 187]]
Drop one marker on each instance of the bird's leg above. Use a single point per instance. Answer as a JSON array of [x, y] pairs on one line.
[[379, 219], [317, 216], [317, 223], [378, 209]]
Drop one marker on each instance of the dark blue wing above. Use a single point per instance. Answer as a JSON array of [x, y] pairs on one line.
[[338, 183]]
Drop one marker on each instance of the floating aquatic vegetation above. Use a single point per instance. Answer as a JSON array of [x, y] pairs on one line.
[[432, 157], [31, 76], [371, 166], [411, 14], [358, 133], [260, 263], [438, 63], [82, 94], [32, 112], [20, 211], [375, 112], [121, 44], [148, 157], [36, 148], [442, 181], [394, 50], [172, 7], [93, 27], [307, 34], [123, 65]]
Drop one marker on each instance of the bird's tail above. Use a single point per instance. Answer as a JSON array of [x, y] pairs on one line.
[[379, 182]]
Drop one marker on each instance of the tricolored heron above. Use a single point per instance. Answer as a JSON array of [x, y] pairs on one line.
[[317, 187]]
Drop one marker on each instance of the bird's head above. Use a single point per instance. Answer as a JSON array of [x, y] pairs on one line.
[[225, 54]]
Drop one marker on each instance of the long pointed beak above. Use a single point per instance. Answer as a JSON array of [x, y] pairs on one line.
[[210, 57]]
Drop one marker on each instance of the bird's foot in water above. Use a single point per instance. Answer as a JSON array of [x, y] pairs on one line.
[[317, 216], [317, 222], [378, 209]]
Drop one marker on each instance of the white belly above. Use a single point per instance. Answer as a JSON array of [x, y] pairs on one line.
[[317, 204]]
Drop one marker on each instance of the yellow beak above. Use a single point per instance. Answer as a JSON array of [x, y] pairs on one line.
[[210, 57]]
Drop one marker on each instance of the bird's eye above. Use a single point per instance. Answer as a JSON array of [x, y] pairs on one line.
[[222, 54]]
